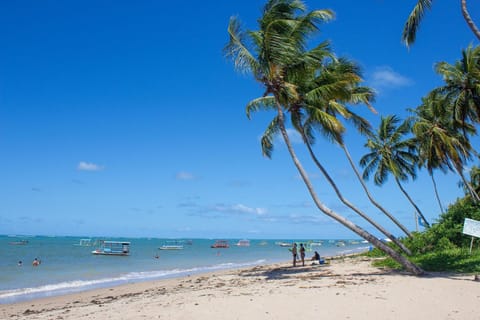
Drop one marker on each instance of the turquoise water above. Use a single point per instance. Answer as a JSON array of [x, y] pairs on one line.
[[67, 268]]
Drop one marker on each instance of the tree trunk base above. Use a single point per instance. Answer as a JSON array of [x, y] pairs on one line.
[[477, 278]]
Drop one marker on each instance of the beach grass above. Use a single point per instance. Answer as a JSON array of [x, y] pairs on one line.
[[458, 260]]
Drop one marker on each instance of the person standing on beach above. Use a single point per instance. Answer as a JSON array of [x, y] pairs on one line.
[[302, 254], [294, 254]]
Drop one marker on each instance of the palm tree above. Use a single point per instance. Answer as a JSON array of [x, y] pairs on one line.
[[416, 16], [336, 85], [438, 142], [462, 85], [430, 123], [462, 91], [391, 154], [275, 55], [324, 98], [475, 178]]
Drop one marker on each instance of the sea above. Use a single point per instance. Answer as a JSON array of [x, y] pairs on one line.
[[68, 267]]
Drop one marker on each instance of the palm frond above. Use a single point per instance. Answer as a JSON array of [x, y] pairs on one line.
[[413, 22], [262, 103]]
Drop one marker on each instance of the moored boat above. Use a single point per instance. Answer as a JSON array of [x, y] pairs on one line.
[[221, 244], [113, 248], [84, 243], [243, 243], [18, 243], [284, 244]]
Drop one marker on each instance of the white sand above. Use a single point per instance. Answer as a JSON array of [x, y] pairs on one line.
[[347, 288]]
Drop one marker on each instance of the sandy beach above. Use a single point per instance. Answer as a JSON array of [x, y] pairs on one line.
[[346, 288]]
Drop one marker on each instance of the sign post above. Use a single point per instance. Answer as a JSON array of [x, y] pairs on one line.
[[472, 228]]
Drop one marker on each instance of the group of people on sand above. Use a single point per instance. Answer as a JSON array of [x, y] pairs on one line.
[[316, 256]]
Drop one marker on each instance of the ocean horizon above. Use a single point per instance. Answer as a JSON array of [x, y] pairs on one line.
[[67, 267]]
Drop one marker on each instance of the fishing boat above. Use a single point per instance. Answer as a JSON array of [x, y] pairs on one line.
[[220, 244], [243, 243], [113, 248]]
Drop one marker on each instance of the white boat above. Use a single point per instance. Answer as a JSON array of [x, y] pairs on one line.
[[284, 244], [84, 243], [340, 244], [172, 245], [243, 243], [113, 248]]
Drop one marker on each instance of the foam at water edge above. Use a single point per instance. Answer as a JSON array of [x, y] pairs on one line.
[[23, 294]]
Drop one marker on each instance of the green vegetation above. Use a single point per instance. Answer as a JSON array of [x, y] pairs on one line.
[[443, 247]]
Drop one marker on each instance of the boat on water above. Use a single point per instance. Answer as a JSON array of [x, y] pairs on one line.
[[284, 244], [221, 244], [243, 243], [263, 243], [113, 248], [84, 243], [340, 243], [18, 243], [171, 245]]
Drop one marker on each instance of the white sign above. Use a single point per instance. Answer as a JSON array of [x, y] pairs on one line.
[[471, 227]]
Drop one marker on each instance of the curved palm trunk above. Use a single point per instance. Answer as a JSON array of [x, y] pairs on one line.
[[372, 200], [411, 201], [408, 265], [436, 193], [469, 20], [351, 206], [469, 187]]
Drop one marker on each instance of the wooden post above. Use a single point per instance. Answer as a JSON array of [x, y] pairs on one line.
[[471, 245]]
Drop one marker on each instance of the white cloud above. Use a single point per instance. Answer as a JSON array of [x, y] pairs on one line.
[[88, 166], [386, 77], [240, 209], [184, 176]]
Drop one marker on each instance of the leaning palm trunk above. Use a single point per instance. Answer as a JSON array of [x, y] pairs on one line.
[[436, 192], [372, 200], [469, 20], [412, 202], [350, 205], [408, 265], [471, 190]]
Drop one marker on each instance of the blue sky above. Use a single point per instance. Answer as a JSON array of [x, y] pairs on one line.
[[123, 118]]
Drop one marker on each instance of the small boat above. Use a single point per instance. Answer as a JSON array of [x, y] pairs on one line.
[[84, 243], [220, 244], [113, 248], [18, 243], [243, 243], [340, 244], [284, 244], [263, 243], [172, 245]]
